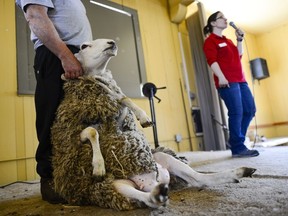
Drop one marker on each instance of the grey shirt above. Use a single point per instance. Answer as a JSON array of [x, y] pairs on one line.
[[69, 18]]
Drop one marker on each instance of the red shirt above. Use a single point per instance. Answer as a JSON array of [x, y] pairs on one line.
[[225, 53]]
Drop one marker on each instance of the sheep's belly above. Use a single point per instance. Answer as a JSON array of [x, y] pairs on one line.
[[146, 182]]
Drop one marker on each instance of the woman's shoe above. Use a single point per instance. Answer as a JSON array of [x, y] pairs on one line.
[[246, 153]]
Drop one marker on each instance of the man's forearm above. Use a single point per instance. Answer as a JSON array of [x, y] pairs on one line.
[[43, 28], [41, 25]]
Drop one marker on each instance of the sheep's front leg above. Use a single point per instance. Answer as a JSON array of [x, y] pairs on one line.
[[140, 114], [98, 164], [196, 179], [154, 199]]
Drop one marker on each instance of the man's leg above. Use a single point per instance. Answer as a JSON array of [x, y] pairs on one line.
[[48, 94]]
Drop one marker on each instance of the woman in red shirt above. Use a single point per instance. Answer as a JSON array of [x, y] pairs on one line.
[[224, 58]]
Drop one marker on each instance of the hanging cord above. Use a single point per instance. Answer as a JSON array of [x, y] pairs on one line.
[[19, 182], [224, 127], [253, 92]]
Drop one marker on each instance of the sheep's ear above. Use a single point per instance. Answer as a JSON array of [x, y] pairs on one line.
[[85, 45]]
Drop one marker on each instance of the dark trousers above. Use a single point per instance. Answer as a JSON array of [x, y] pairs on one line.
[[48, 95]]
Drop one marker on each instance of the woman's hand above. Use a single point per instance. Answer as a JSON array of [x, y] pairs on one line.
[[223, 82], [239, 34]]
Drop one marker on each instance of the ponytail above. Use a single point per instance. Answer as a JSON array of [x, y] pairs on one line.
[[207, 29]]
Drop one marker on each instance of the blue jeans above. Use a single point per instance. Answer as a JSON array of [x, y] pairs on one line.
[[241, 110]]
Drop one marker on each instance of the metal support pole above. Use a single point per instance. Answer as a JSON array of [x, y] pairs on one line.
[[149, 90], [152, 110]]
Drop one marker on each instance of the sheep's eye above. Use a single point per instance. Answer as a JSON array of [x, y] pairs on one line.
[[83, 46]]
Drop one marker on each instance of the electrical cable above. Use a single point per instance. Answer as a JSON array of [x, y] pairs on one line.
[[19, 182], [253, 93]]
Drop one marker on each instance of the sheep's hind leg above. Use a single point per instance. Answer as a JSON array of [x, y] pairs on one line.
[[154, 199], [196, 179], [98, 164]]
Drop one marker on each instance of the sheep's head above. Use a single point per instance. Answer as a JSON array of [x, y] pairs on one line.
[[95, 55]]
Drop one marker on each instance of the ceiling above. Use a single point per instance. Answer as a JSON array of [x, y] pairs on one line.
[[253, 16]]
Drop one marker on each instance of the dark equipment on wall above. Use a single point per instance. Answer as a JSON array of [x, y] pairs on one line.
[[149, 90], [196, 116], [259, 68]]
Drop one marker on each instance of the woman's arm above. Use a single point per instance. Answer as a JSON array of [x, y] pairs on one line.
[[223, 82], [239, 35]]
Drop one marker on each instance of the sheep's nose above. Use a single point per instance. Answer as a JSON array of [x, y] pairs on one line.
[[111, 42]]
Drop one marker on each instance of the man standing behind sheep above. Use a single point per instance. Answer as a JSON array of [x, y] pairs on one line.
[[57, 29]]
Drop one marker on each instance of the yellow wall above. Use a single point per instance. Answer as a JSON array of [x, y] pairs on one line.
[[274, 48], [163, 65], [17, 133], [264, 113], [271, 93]]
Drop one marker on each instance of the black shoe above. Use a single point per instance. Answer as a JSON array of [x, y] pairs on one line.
[[246, 153], [48, 192]]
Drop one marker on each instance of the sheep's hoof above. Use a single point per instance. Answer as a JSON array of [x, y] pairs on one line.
[[248, 172], [244, 172], [146, 124], [99, 172], [159, 195]]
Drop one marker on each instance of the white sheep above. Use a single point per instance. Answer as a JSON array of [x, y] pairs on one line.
[[100, 157]]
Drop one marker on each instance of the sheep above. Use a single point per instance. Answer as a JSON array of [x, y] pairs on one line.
[[100, 157]]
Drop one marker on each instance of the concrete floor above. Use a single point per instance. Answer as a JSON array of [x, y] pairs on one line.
[[264, 194]]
